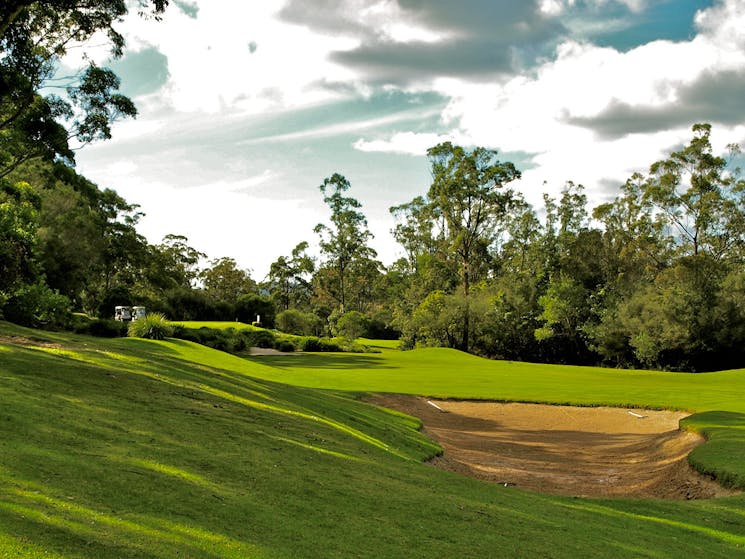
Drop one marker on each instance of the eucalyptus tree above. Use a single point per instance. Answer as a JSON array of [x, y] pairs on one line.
[[698, 198], [289, 278], [224, 280], [344, 242], [468, 194]]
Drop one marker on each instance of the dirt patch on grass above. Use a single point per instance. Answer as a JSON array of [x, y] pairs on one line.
[[563, 450], [264, 351], [28, 342]]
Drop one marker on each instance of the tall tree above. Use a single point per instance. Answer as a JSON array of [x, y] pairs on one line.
[[172, 264], [289, 277], [19, 222], [225, 281], [468, 192], [697, 198], [345, 241]]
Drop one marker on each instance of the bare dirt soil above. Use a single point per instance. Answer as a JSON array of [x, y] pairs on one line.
[[28, 342], [563, 450], [264, 351]]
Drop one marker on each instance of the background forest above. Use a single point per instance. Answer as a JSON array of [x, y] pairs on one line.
[[654, 278]]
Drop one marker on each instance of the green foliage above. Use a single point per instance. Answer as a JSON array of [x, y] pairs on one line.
[[351, 325], [173, 264], [314, 344], [188, 304], [19, 221], [154, 326], [38, 306], [437, 321], [698, 198], [225, 281], [230, 339], [220, 339], [284, 346], [685, 320], [511, 317], [258, 338], [299, 323], [105, 328], [345, 242], [289, 278], [34, 36], [248, 307]]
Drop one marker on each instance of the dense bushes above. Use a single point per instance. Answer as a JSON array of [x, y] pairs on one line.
[[196, 304], [293, 321], [227, 339], [36, 305], [103, 328], [235, 340], [285, 346], [311, 343]]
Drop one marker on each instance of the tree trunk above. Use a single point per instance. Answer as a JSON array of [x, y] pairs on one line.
[[464, 345]]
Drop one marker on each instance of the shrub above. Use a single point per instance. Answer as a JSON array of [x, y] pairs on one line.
[[107, 328], [291, 321], [311, 343], [299, 323], [285, 346], [258, 338], [351, 325], [36, 306], [223, 340], [153, 327], [249, 306]]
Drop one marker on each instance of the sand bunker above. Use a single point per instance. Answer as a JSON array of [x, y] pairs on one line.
[[587, 452]]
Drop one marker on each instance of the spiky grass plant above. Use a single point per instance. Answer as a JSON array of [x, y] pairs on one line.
[[153, 326]]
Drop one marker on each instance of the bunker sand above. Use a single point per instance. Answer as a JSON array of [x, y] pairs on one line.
[[563, 450]]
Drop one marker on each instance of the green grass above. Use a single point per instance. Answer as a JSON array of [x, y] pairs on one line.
[[380, 344], [452, 374], [137, 448], [218, 325]]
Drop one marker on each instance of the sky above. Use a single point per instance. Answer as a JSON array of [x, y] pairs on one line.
[[245, 107]]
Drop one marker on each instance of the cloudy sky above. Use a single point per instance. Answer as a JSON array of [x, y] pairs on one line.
[[245, 107]]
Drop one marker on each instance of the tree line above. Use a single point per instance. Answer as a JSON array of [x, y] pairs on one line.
[[653, 278]]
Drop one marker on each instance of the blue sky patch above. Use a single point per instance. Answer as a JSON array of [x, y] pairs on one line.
[[671, 20]]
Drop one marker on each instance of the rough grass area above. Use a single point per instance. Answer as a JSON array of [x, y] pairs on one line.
[[136, 448]]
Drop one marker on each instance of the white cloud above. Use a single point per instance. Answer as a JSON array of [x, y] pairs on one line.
[[221, 219], [212, 68], [411, 143], [531, 114]]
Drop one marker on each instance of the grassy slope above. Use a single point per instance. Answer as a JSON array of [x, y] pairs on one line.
[[128, 448]]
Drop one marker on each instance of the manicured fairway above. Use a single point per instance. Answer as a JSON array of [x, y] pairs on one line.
[[129, 448], [451, 374]]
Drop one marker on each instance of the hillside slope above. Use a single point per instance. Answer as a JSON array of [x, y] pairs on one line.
[[131, 448]]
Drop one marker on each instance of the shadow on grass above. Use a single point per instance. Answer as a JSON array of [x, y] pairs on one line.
[[322, 361]]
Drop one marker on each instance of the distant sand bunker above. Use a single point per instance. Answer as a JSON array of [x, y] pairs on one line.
[[563, 450]]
